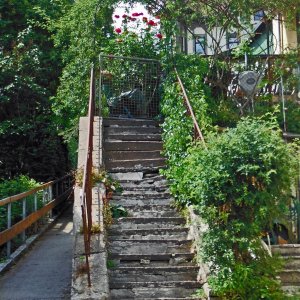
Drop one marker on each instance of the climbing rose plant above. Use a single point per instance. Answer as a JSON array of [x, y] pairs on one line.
[[138, 36]]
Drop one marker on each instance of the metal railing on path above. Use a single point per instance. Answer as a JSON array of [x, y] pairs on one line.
[[32, 205]]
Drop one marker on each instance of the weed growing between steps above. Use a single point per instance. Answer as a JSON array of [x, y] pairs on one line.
[[238, 186], [101, 176], [118, 211], [111, 264]]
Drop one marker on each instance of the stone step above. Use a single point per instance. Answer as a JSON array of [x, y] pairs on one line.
[[149, 246], [158, 263], [290, 276], [149, 207], [131, 155], [171, 258], [144, 274], [129, 122], [146, 184], [154, 290], [147, 223], [149, 188], [123, 136], [179, 233], [287, 250], [291, 290], [131, 130], [172, 298], [156, 284], [153, 260], [140, 201], [134, 164], [292, 262], [144, 193], [133, 146], [143, 196], [152, 213]]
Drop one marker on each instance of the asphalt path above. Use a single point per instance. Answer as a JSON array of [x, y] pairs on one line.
[[44, 272]]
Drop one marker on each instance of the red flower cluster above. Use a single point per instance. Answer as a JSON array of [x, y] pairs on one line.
[[159, 35], [137, 14], [117, 16], [145, 19], [124, 16], [151, 23], [118, 30]]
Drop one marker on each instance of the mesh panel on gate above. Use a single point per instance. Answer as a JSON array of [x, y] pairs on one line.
[[130, 86]]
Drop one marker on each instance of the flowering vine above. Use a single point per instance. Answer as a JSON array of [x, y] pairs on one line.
[[137, 35]]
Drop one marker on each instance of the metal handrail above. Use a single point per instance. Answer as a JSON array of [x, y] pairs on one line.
[[197, 129], [20, 196], [86, 195], [63, 188]]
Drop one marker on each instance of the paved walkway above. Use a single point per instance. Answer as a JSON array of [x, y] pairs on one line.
[[45, 271]]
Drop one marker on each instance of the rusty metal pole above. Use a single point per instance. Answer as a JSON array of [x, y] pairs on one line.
[[85, 236]]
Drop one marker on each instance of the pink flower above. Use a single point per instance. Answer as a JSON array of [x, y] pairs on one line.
[[118, 30], [124, 16], [159, 35], [141, 14], [117, 16], [135, 14], [132, 19]]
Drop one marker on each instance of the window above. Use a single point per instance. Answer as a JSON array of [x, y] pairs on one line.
[[232, 40], [259, 15], [200, 44]]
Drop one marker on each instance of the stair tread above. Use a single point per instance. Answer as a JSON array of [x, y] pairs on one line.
[[138, 160], [175, 268], [142, 284], [151, 256], [162, 240], [142, 244], [143, 231]]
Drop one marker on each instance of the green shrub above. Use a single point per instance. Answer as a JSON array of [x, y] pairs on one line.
[[238, 186], [292, 116], [13, 187]]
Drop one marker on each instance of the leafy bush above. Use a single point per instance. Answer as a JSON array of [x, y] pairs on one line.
[[178, 125], [292, 116], [238, 186], [13, 187]]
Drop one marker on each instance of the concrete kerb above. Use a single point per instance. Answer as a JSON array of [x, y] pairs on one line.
[[98, 257], [197, 228], [15, 256]]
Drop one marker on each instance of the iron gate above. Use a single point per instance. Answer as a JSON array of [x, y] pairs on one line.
[[129, 87]]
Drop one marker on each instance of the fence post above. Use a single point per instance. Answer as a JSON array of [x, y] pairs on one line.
[[8, 245], [56, 189], [24, 217], [50, 199], [35, 209]]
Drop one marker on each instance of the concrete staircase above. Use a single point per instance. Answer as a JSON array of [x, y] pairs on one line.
[[290, 275], [149, 250], [132, 145]]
